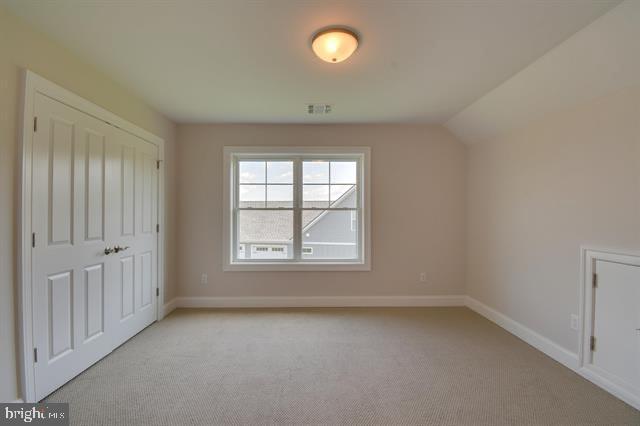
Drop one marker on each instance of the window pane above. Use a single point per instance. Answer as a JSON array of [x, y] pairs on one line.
[[330, 235], [326, 194], [314, 196], [265, 234], [279, 196], [252, 171], [252, 196], [343, 196], [343, 172], [315, 171], [280, 172]]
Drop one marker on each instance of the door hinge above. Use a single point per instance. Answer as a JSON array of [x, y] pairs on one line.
[[158, 164], [594, 280], [35, 124], [157, 292], [35, 354], [157, 227], [592, 343], [33, 240]]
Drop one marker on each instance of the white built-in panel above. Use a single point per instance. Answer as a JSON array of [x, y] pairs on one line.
[[146, 278], [127, 278], [94, 300], [60, 303], [616, 323], [94, 184], [128, 190], [61, 181]]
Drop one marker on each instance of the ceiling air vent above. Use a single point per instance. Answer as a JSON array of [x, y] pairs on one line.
[[318, 109]]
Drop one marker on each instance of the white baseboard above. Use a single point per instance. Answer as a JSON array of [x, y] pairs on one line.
[[317, 301], [538, 341], [611, 387], [168, 307], [553, 350]]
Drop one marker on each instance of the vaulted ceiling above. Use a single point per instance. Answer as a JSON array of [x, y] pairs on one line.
[[251, 61]]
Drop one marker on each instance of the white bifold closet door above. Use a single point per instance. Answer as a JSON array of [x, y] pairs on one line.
[[94, 186]]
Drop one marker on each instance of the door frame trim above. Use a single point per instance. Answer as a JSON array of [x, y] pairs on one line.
[[32, 84], [588, 257]]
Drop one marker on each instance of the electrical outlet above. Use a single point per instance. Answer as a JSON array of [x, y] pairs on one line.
[[574, 322], [204, 279], [423, 277]]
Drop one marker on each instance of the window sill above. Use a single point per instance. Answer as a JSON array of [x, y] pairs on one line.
[[298, 266]]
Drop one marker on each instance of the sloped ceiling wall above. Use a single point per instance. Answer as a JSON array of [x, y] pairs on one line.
[[601, 58]]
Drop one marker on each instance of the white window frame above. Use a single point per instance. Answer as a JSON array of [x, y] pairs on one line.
[[363, 157]]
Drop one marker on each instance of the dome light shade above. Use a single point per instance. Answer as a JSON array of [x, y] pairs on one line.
[[334, 44]]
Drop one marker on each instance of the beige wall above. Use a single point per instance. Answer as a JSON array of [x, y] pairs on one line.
[[538, 194], [418, 211], [22, 47]]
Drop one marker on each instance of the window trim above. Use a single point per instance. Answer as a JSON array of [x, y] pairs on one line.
[[231, 153]]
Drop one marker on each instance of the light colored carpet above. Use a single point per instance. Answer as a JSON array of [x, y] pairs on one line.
[[397, 366]]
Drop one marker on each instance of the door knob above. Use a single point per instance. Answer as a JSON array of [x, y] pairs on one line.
[[109, 250], [118, 249]]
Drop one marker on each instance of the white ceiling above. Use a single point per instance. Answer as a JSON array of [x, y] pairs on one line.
[[251, 61]]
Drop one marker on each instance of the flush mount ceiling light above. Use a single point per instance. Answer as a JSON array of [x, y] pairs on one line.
[[334, 44]]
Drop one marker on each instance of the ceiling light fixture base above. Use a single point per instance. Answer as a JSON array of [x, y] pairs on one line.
[[334, 44]]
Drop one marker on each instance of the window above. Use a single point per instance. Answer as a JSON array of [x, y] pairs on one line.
[[296, 208]]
